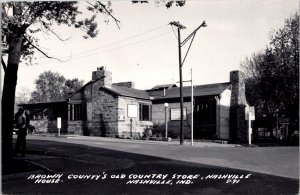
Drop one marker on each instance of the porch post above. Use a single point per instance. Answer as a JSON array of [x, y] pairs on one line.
[[218, 129]]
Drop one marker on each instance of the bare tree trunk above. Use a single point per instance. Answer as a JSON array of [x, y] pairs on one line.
[[8, 96]]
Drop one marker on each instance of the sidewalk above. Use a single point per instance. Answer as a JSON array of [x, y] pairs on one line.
[[187, 142]]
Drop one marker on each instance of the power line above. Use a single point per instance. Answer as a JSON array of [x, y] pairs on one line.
[[126, 39], [174, 31], [116, 48]]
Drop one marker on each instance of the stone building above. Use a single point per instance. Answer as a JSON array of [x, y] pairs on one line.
[[103, 108]]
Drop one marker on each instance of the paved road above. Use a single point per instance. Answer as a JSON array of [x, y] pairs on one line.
[[279, 161], [105, 159]]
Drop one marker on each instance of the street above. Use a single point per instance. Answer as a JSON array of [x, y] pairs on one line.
[[81, 165]]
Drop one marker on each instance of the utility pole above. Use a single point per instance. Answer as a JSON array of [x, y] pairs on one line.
[[192, 109], [179, 27], [180, 44]]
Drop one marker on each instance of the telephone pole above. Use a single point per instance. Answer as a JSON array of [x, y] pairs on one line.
[[179, 27], [180, 44]]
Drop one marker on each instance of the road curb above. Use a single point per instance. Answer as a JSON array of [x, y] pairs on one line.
[[44, 168]]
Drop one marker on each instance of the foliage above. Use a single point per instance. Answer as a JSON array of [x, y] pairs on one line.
[[158, 131], [72, 85], [29, 18], [52, 86], [272, 84], [147, 133], [23, 96], [168, 3]]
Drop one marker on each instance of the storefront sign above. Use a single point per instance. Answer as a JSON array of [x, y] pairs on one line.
[[250, 110], [58, 122], [175, 114], [132, 111]]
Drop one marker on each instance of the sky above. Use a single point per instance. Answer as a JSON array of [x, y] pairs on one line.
[[145, 48]]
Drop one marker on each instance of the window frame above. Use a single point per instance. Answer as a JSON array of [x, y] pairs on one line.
[[145, 112]]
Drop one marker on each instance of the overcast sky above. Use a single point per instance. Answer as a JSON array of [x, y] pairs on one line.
[[144, 50]]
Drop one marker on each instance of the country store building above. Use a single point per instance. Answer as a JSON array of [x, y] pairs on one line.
[[103, 108]]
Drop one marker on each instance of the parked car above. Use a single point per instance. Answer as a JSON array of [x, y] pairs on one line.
[[15, 129], [30, 130]]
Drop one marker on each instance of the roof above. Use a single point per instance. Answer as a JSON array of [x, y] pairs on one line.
[[199, 90], [81, 88], [163, 86], [128, 92], [43, 103]]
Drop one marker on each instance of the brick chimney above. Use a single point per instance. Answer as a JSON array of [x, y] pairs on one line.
[[238, 124], [125, 84], [103, 76]]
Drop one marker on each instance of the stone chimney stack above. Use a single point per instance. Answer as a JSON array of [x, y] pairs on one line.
[[125, 84], [238, 103], [104, 76]]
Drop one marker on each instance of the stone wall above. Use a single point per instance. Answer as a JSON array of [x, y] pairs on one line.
[[238, 124], [52, 126], [131, 126], [41, 126], [49, 126], [104, 114]]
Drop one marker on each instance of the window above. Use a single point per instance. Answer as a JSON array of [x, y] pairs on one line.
[[77, 112], [145, 112]]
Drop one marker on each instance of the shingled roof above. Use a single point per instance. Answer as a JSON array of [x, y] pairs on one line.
[[157, 87], [128, 92], [199, 90]]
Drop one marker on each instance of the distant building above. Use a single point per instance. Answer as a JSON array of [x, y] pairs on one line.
[[103, 108]]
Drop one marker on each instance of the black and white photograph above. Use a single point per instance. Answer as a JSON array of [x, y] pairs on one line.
[[150, 97]]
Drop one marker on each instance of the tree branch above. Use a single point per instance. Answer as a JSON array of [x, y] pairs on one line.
[[49, 29], [57, 35], [80, 26], [29, 6], [3, 64], [41, 50], [104, 7]]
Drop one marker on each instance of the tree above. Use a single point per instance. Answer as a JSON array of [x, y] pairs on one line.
[[50, 86], [23, 96], [72, 85], [20, 21], [18, 41], [272, 76]]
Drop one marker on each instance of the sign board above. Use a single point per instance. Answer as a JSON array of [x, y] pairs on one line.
[[132, 111], [175, 114], [58, 122], [250, 110]]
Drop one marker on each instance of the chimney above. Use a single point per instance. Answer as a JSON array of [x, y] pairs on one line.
[[125, 84], [104, 76], [238, 124]]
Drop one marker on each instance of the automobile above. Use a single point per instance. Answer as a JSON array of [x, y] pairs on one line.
[[30, 130], [15, 129]]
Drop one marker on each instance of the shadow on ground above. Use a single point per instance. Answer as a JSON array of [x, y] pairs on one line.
[[111, 166]]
